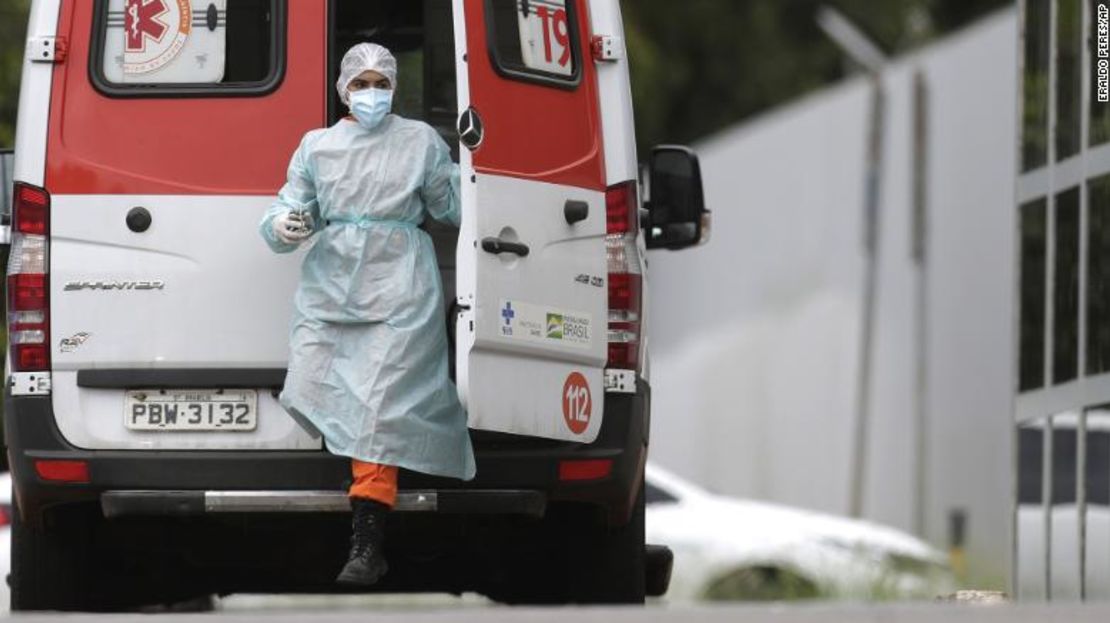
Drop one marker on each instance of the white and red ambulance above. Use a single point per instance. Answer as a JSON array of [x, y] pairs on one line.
[[148, 321]]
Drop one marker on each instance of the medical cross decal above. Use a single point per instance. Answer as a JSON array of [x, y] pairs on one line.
[[508, 314], [141, 22]]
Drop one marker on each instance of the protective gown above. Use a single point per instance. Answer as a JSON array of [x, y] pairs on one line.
[[368, 345]]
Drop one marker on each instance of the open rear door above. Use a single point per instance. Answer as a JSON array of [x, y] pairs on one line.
[[170, 128], [532, 334]]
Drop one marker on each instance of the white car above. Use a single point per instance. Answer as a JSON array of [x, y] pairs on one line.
[[732, 549]]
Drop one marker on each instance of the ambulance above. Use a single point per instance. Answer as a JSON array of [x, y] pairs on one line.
[[148, 322]]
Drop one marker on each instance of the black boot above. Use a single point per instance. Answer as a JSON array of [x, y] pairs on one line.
[[366, 562]]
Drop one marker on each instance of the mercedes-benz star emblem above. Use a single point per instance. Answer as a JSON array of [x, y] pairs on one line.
[[470, 129]]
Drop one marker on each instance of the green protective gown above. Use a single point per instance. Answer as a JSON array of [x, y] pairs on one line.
[[368, 345]]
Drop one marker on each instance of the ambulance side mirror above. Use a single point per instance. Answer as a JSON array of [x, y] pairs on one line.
[[7, 160], [676, 214]]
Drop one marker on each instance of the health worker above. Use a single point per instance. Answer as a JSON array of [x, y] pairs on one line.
[[368, 344]]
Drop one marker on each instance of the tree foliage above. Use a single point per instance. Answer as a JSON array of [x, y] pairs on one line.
[[701, 65], [13, 30]]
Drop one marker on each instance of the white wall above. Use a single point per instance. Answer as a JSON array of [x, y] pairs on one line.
[[754, 337]]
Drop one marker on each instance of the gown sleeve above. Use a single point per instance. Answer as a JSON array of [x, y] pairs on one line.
[[440, 190], [298, 193]]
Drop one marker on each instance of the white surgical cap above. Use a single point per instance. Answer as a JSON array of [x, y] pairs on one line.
[[365, 57]]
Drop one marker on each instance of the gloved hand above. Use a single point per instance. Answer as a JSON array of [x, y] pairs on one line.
[[293, 227]]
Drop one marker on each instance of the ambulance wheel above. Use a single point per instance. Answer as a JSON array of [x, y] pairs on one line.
[[609, 568], [587, 561], [69, 563], [50, 566]]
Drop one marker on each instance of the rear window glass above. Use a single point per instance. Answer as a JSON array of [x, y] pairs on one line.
[[203, 44], [534, 39]]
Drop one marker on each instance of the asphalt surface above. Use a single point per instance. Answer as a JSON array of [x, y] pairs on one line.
[[468, 612]]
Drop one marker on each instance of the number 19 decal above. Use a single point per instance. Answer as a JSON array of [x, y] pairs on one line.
[[576, 403], [545, 36]]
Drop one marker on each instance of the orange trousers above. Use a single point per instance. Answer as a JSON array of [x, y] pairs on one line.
[[373, 481]]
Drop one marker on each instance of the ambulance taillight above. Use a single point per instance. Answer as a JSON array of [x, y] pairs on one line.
[[28, 283], [622, 226]]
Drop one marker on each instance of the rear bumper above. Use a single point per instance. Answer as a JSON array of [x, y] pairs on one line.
[[192, 503], [505, 463]]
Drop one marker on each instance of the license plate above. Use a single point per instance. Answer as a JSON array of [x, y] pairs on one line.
[[191, 409]]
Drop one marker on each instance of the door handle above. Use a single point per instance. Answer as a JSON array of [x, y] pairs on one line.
[[575, 211], [498, 246]]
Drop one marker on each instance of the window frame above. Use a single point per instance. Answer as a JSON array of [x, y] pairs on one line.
[[278, 35], [535, 76]]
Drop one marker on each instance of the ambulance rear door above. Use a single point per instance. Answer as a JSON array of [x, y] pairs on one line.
[[171, 123], [532, 333]]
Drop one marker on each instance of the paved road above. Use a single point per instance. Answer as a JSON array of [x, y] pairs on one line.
[[465, 612]]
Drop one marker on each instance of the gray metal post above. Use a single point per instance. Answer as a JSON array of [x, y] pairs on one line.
[[867, 55], [871, 223], [919, 238]]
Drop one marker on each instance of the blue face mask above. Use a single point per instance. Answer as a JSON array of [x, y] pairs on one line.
[[370, 106]]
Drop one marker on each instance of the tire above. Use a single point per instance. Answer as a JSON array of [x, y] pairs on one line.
[[68, 563], [586, 561], [762, 583], [50, 566], [609, 569]]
